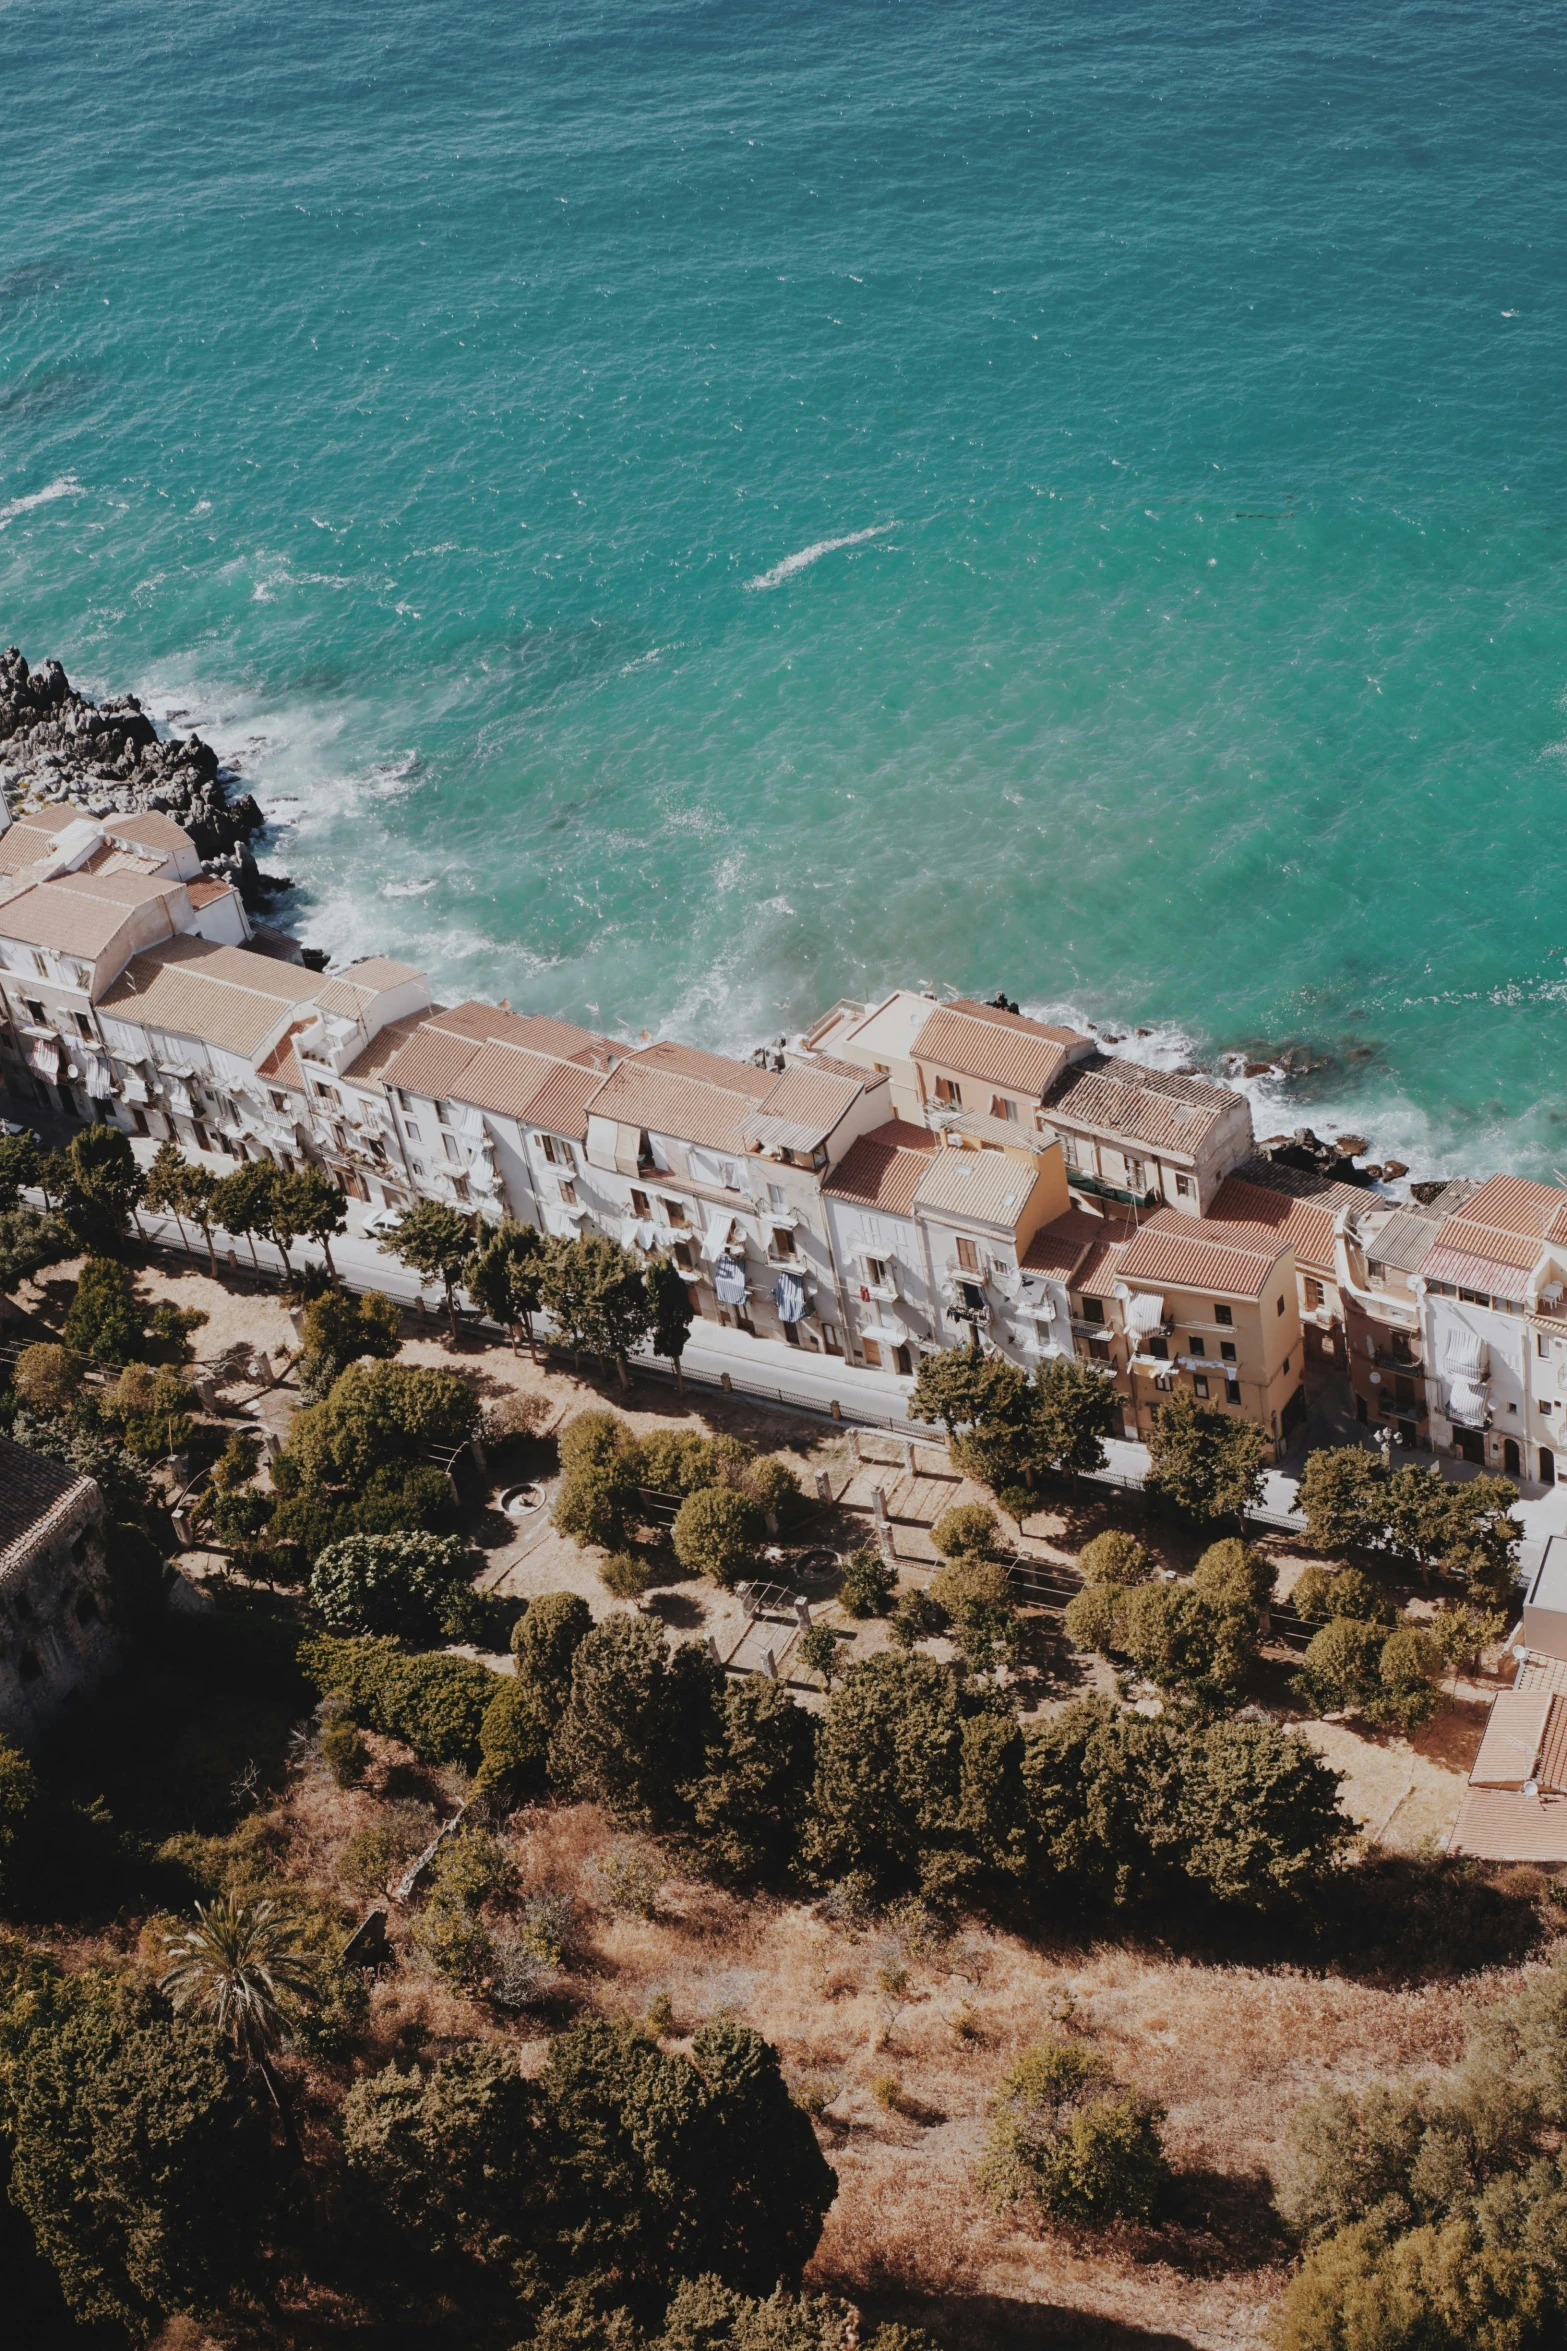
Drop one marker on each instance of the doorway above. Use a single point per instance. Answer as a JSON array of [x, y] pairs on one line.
[[1471, 1446], [1510, 1463], [1547, 1466]]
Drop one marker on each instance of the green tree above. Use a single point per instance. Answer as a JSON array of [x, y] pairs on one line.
[[30, 1239], [137, 2159], [544, 1645], [514, 1740], [315, 1208], [401, 1584], [596, 1298], [179, 1187], [670, 1312], [917, 1780], [955, 1387], [597, 1498], [436, 1705], [1075, 1407], [240, 1203], [1480, 1537], [1408, 1670], [102, 1187], [1342, 1667], [706, 2315], [1259, 1819], [505, 1277], [1095, 1618], [379, 1416], [967, 1531], [441, 2159], [655, 2167], [749, 1805], [1188, 1643], [1204, 1462], [818, 1651], [716, 1533], [1069, 2141], [636, 1722], [105, 1318], [1463, 1633], [869, 1585], [18, 1809], [48, 1378], [340, 1330], [437, 1242], [1235, 1574], [1321, 1593], [19, 1157], [242, 1968], [1343, 1493]]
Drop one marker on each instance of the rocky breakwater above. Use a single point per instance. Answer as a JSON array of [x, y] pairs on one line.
[[108, 759]]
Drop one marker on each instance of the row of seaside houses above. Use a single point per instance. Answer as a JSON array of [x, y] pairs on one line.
[[908, 1173]]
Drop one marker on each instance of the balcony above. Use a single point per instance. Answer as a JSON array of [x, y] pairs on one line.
[[1099, 1189]]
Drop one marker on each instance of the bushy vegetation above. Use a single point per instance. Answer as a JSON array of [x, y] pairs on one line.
[[1414, 1518], [1069, 2142], [727, 1495], [1008, 1429]]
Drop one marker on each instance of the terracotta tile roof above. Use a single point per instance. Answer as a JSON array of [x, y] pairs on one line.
[[1511, 1205], [803, 1107], [1060, 1248], [675, 1090], [1185, 1253], [1502, 1824], [430, 1063], [348, 991], [1307, 1225], [838, 1069], [560, 1107], [998, 1048], [384, 1046], [152, 831], [987, 1186], [205, 888], [1100, 1270], [281, 1066], [36, 1494], [32, 836], [81, 912], [532, 1032], [1550, 1765], [1148, 1106], [1469, 1238], [1489, 1275], [1514, 1729], [883, 1169], [227, 996]]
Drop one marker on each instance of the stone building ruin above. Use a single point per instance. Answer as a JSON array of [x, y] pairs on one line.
[[56, 1630]]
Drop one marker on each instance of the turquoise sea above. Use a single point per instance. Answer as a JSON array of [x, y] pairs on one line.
[[688, 509]]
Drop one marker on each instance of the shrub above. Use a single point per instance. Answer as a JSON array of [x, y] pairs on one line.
[[818, 1652], [624, 1576], [716, 1533], [47, 1378], [596, 1501], [917, 1617], [1068, 2141], [1095, 1618], [594, 1439], [868, 1585], [373, 1856], [514, 1743], [1408, 1669], [397, 1584], [378, 1416], [544, 1645], [1116, 1558], [18, 1804], [632, 1878], [970, 1580], [773, 1487], [967, 1531], [480, 1620], [340, 1330], [436, 1705], [344, 1752], [442, 2160]]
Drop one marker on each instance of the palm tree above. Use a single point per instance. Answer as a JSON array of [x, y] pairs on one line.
[[238, 1966]]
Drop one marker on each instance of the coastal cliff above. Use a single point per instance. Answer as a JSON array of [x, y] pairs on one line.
[[107, 758]]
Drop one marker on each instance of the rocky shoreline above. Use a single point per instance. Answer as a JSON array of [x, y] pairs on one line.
[[108, 759]]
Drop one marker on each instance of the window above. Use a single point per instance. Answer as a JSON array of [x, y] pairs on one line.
[[1093, 1310], [1284, 1366], [83, 1025], [674, 1210], [1135, 1175], [39, 965], [453, 1150], [568, 1192], [639, 1203], [278, 1101], [1003, 1106], [459, 1186], [36, 1014], [1069, 1150], [968, 1255], [1315, 1293], [555, 1151], [1227, 1350], [1223, 1315], [683, 1257], [1278, 1306], [871, 1352], [1199, 1383], [1475, 1297], [417, 1165], [949, 1093], [411, 1131], [876, 1271], [883, 1069], [1183, 1187], [775, 1198], [1159, 1347], [972, 1297], [1232, 1391], [1542, 1345], [1198, 1344], [783, 1240], [443, 1111]]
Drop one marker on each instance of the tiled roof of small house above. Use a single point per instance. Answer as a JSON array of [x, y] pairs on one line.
[[36, 1494], [1185, 1253], [997, 1048], [226, 996], [883, 1169]]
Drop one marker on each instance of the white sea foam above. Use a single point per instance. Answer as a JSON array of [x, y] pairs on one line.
[[67, 486], [809, 555]]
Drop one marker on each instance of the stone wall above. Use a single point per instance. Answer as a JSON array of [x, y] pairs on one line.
[[56, 1617]]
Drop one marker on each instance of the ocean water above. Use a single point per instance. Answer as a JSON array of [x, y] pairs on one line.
[[685, 510]]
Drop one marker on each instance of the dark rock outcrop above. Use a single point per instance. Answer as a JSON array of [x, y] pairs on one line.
[[107, 758]]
